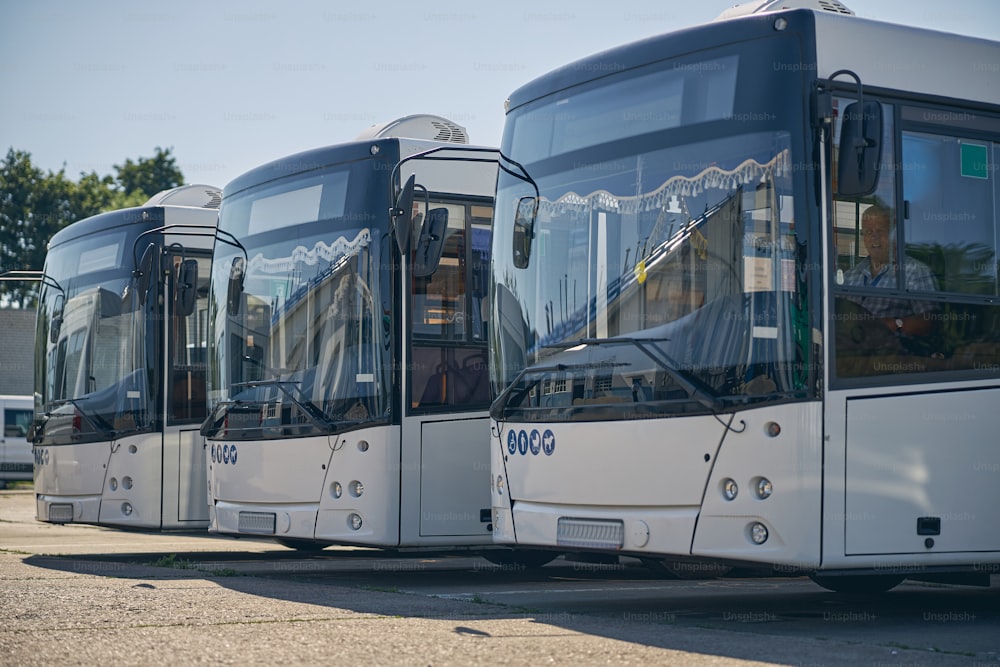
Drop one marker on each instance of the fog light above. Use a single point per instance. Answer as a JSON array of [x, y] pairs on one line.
[[758, 532], [113, 484], [763, 488], [730, 489], [336, 490], [126, 483], [499, 485], [127, 508], [354, 521], [356, 488]]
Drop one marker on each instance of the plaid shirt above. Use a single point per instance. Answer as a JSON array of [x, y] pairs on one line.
[[918, 279]]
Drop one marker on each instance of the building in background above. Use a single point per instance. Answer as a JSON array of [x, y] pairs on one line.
[[17, 349]]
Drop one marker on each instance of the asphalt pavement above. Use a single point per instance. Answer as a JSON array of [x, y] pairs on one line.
[[84, 595]]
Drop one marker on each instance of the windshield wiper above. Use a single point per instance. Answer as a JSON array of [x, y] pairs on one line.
[[697, 389], [500, 404], [103, 429], [310, 409]]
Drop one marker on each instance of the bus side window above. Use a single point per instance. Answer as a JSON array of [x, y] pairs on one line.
[[948, 190], [448, 366], [188, 397], [948, 224], [450, 376], [189, 336]]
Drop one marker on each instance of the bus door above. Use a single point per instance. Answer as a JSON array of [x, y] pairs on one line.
[[445, 433], [915, 344], [187, 364]]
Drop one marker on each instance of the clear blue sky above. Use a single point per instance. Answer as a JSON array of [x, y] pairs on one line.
[[231, 85]]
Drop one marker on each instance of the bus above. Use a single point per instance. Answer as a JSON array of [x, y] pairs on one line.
[[120, 363], [349, 388], [706, 349]]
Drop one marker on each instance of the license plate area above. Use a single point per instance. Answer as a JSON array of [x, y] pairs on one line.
[[61, 512], [261, 523], [590, 533]]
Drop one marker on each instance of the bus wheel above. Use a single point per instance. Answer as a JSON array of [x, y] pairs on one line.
[[682, 569], [858, 584], [301, 545], [521, 558]]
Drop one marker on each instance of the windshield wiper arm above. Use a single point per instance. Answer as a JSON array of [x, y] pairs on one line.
[[315, 415], [100, 428], [500, 404], [698, 390]]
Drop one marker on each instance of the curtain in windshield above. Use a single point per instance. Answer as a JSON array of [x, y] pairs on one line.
[[691, 249]]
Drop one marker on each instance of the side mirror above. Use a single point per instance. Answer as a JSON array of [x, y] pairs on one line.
[[401, 214], [859, 149], [430, 244], [187, 287], [237, 273], [55, 326], [144, 272], [524, 230]]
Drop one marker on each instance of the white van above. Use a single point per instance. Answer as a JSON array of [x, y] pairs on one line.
[[16, 458]]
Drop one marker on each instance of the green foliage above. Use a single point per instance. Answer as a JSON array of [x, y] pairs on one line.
[[173, 561], [35, 204]]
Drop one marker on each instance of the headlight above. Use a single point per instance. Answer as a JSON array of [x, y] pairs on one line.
[[758, 532]]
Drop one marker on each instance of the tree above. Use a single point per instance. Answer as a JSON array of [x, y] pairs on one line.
[[34, 205], [149, 175]]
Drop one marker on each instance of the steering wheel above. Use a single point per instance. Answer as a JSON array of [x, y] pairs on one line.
[[858, 330]]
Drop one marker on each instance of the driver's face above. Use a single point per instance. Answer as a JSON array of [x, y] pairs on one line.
[[875, 230]]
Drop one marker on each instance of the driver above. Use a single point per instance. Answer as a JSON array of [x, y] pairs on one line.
[[879, 269]]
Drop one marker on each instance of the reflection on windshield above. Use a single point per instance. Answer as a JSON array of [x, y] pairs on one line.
[[303, 352], [691, 249], [93, 382]]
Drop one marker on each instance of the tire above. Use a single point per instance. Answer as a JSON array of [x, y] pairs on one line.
[[860, 584], [522, 558]]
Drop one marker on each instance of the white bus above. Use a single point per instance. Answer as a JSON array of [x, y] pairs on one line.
[[16, 463], [349, 390], [707, 349], [120, 363]]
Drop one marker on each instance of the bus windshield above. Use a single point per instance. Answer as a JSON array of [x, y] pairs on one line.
[[91, 332], [298, 310], [659, 276]]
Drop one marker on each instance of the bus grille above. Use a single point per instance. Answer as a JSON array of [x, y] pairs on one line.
[[257, 522], [590, 533]]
